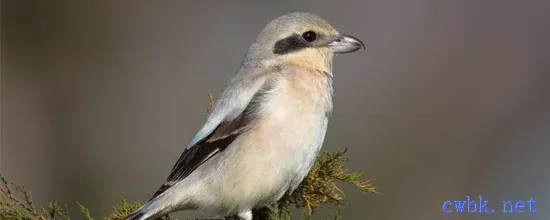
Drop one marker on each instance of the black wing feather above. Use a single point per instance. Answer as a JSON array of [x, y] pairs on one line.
[[216, 142]]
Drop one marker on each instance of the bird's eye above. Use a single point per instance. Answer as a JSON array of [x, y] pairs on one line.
[[309, 36]]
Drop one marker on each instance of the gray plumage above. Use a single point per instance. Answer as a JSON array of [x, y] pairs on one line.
[[266, 128]]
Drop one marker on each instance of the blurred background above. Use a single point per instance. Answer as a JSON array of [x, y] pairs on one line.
[[450, 99]]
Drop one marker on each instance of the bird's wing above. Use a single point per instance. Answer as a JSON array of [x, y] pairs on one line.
[[232, 114], [231, 103]]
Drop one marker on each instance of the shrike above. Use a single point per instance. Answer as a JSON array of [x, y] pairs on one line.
[[266, 128]]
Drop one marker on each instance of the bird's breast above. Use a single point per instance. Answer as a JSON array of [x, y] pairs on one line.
[[278, 151], [291, 127], [300, 92], [296, 108]]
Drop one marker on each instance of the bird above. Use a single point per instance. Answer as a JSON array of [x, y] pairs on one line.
[[266, 128]]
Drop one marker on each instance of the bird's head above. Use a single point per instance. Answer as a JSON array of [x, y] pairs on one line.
[[302, 39]]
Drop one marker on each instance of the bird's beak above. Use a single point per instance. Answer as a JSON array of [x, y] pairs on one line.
[[346, 44]]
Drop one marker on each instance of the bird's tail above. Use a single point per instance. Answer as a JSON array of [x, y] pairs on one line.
[[162, 203], [152, 210]]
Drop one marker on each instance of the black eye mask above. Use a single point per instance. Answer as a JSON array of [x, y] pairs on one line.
[[290, 44]]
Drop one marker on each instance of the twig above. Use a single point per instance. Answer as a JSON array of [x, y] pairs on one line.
[[16, 202]]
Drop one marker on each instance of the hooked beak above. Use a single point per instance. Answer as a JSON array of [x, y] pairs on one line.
[[346, 44]]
